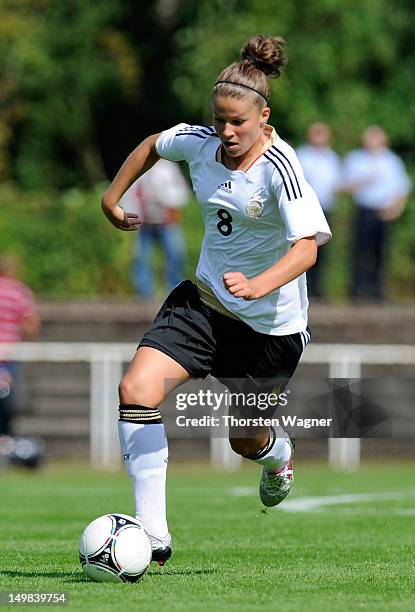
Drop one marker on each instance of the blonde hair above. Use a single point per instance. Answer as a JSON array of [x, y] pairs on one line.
[[262, 58]]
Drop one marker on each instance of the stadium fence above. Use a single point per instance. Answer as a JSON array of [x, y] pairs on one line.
[[106, 365]]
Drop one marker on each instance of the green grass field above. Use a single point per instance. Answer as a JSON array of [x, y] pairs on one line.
[[350, 547]]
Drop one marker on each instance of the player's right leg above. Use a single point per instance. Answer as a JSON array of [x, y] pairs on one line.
[[149, 379], [179, 346]]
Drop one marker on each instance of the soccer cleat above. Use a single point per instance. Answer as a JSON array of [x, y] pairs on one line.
[[161, 549], [275, 486]]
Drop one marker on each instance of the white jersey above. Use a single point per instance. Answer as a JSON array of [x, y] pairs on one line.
[[251, 219]]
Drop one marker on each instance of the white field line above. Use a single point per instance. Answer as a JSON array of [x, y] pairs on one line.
[[322, 502]]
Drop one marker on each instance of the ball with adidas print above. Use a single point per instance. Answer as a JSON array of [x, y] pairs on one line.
[[114, 548]]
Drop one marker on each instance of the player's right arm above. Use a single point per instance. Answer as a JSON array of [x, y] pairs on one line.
[[179, 143], [137, 163]]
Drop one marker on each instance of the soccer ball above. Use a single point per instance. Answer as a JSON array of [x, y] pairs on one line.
[[115, 548]]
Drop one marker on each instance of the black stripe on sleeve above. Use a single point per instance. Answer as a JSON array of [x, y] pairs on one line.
[[196, 128], [274, 163], [197, 131], [206, 131], [287, 171], [295, 176], [213, 131]]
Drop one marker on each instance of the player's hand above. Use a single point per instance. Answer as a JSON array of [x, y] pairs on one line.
[[241, 287], [127, 222]]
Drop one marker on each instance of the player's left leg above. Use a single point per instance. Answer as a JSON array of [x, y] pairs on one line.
[[272, 448], [268, 363]]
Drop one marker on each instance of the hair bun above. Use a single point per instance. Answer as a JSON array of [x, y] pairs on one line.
[[248, 57], [266, 53]]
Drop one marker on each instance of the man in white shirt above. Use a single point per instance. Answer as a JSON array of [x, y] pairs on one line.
[[322, 169], [379, 184], [158, 197]]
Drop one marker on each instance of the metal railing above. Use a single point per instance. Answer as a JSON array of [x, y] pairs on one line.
[[106, 360]]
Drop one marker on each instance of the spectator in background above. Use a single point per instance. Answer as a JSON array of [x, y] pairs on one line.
[[322, 169], [19, 320], [377, 180], [158, 197]]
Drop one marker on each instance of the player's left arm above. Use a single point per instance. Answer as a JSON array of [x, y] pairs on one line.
[[300, 257], [306, 230]]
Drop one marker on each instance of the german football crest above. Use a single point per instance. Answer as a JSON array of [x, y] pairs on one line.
[[254, 209]]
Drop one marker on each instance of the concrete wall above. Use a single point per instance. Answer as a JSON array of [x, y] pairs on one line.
[[54, 401]]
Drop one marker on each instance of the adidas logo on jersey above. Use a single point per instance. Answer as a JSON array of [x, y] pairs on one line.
[[227, 186]]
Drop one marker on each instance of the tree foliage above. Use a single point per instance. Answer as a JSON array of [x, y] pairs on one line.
[[81, 83], [349, 63], [60, 61]]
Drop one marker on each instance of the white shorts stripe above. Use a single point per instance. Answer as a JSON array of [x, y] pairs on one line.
[[302, 339]]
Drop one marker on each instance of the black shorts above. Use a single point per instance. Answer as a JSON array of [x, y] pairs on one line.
[[204, 342]]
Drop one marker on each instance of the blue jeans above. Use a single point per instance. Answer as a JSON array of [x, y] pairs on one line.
[[170, 238]]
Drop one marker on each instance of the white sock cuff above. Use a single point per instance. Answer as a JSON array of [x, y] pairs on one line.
[[277, 456]]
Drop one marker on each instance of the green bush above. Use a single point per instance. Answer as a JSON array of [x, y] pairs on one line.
[[67, 247], [69, 250]]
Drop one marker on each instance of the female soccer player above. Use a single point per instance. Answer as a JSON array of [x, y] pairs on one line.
[[246, 318]]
